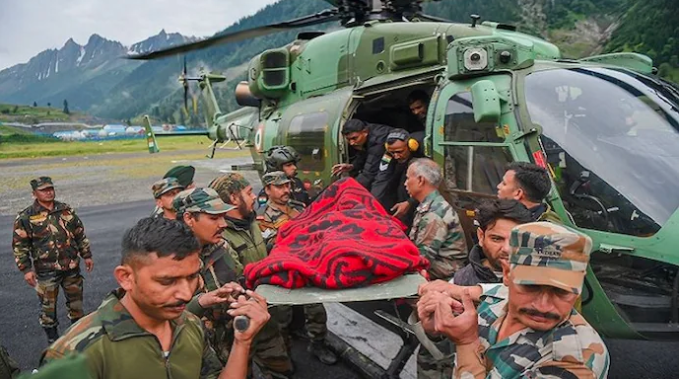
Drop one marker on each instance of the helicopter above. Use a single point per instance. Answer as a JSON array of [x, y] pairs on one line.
[[606, 127]]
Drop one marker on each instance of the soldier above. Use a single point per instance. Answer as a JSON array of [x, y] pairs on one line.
[[164, 191], [244, 236], [142, 330], [184, 176], [529, 184], [285, 158], [436, 228], [367, 143], [495, 220], [418, 102], [49, 240], [203, 211], [527, 327], [279, 210], [388, 187]]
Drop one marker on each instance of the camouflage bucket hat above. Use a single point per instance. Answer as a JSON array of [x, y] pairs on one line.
[[228, 184], [41, 183], [276, 178], [202, 200], [163, 186], [543, 253]]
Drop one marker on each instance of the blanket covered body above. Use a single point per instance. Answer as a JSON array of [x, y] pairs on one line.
[[344, 239]]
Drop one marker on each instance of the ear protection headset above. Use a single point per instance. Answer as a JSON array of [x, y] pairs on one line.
[[402, 135]]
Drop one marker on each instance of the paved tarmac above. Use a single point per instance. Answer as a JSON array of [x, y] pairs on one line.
[[21, 334]]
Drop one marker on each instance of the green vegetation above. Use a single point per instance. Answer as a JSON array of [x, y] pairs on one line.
[[64, 148], [32, 115]]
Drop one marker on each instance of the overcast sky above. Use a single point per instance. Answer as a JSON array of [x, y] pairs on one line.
[[28, 27]]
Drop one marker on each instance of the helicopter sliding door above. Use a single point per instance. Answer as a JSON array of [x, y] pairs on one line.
[[473, 155], [310, 126]]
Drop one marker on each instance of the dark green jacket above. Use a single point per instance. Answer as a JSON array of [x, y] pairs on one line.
[[116, 347], [247, 242]]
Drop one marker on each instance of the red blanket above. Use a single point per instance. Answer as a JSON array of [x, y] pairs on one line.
[[343, 239]]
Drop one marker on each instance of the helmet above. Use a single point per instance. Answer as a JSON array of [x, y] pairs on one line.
[[277, 156]]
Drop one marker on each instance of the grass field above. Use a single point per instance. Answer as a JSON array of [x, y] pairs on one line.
[[63, 148], [29, 114]]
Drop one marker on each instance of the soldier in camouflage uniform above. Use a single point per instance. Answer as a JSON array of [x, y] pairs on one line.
[[528, 327], [184, 176], [280, 209], [142, 330], [244, 237], [203, 211], [285, 158], [48, 241], [164, 192], [436, 229]]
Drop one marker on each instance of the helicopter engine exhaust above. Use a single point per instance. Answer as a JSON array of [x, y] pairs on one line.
[[244, 97]]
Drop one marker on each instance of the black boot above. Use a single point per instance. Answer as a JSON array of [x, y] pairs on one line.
[[325, 355], [52, 334]]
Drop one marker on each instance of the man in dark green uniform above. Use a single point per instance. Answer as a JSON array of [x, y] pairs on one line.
[[142, 329], [48, 242], [203, 211], [280, 209], [164, 192]]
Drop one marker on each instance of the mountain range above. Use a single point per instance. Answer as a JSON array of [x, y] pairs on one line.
[[94, 78]]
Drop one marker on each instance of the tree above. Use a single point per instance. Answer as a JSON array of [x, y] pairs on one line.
[[35, 104], [49, 105], [66, 107], [16, 109]]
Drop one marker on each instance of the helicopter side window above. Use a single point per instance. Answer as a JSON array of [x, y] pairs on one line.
[[472, 168], [306, 133], [612, 139]]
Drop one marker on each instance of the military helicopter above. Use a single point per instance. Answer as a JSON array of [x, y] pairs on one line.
[[605, 126]]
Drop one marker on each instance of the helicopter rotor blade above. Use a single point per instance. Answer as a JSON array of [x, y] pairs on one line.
[[315, 19]]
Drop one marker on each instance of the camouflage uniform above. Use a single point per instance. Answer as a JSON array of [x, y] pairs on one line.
[[50, 242], [542, 254], [274, 217], [437, 233], [115, 346], [160, 188], [221, 265]]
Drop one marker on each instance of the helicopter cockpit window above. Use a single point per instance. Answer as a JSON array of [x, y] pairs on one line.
[[306, 133], [612, 138], [472, 168]]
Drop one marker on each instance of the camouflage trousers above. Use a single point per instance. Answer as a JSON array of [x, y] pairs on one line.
[[430, 368], [315, 319], [48, 293], [268, 348]]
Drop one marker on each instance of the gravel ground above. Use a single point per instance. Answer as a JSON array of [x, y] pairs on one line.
[[107, 178]]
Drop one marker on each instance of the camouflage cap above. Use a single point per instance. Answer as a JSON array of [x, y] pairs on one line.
[[228, 184], [276, 178], [184, 174], [41, 183], [162, 186], [202, 200], [543, 253]]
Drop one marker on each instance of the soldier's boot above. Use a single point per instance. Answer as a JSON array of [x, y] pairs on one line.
[[52, 334], [322, 352]]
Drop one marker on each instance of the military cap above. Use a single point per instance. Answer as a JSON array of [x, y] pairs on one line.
[[162, 186], [229, 184], [276, 178], [41, 183], [202, 200], [184, 174], [543, 253]]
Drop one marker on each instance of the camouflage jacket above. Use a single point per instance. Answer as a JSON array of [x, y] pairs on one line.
[[246, 240], [49, 240], [116, 347], [544, 212], [220, 266], [274, 217], [437, 233], [573, 349]]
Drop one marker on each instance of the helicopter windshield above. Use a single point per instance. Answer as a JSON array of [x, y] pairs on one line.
[[612, 137]]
